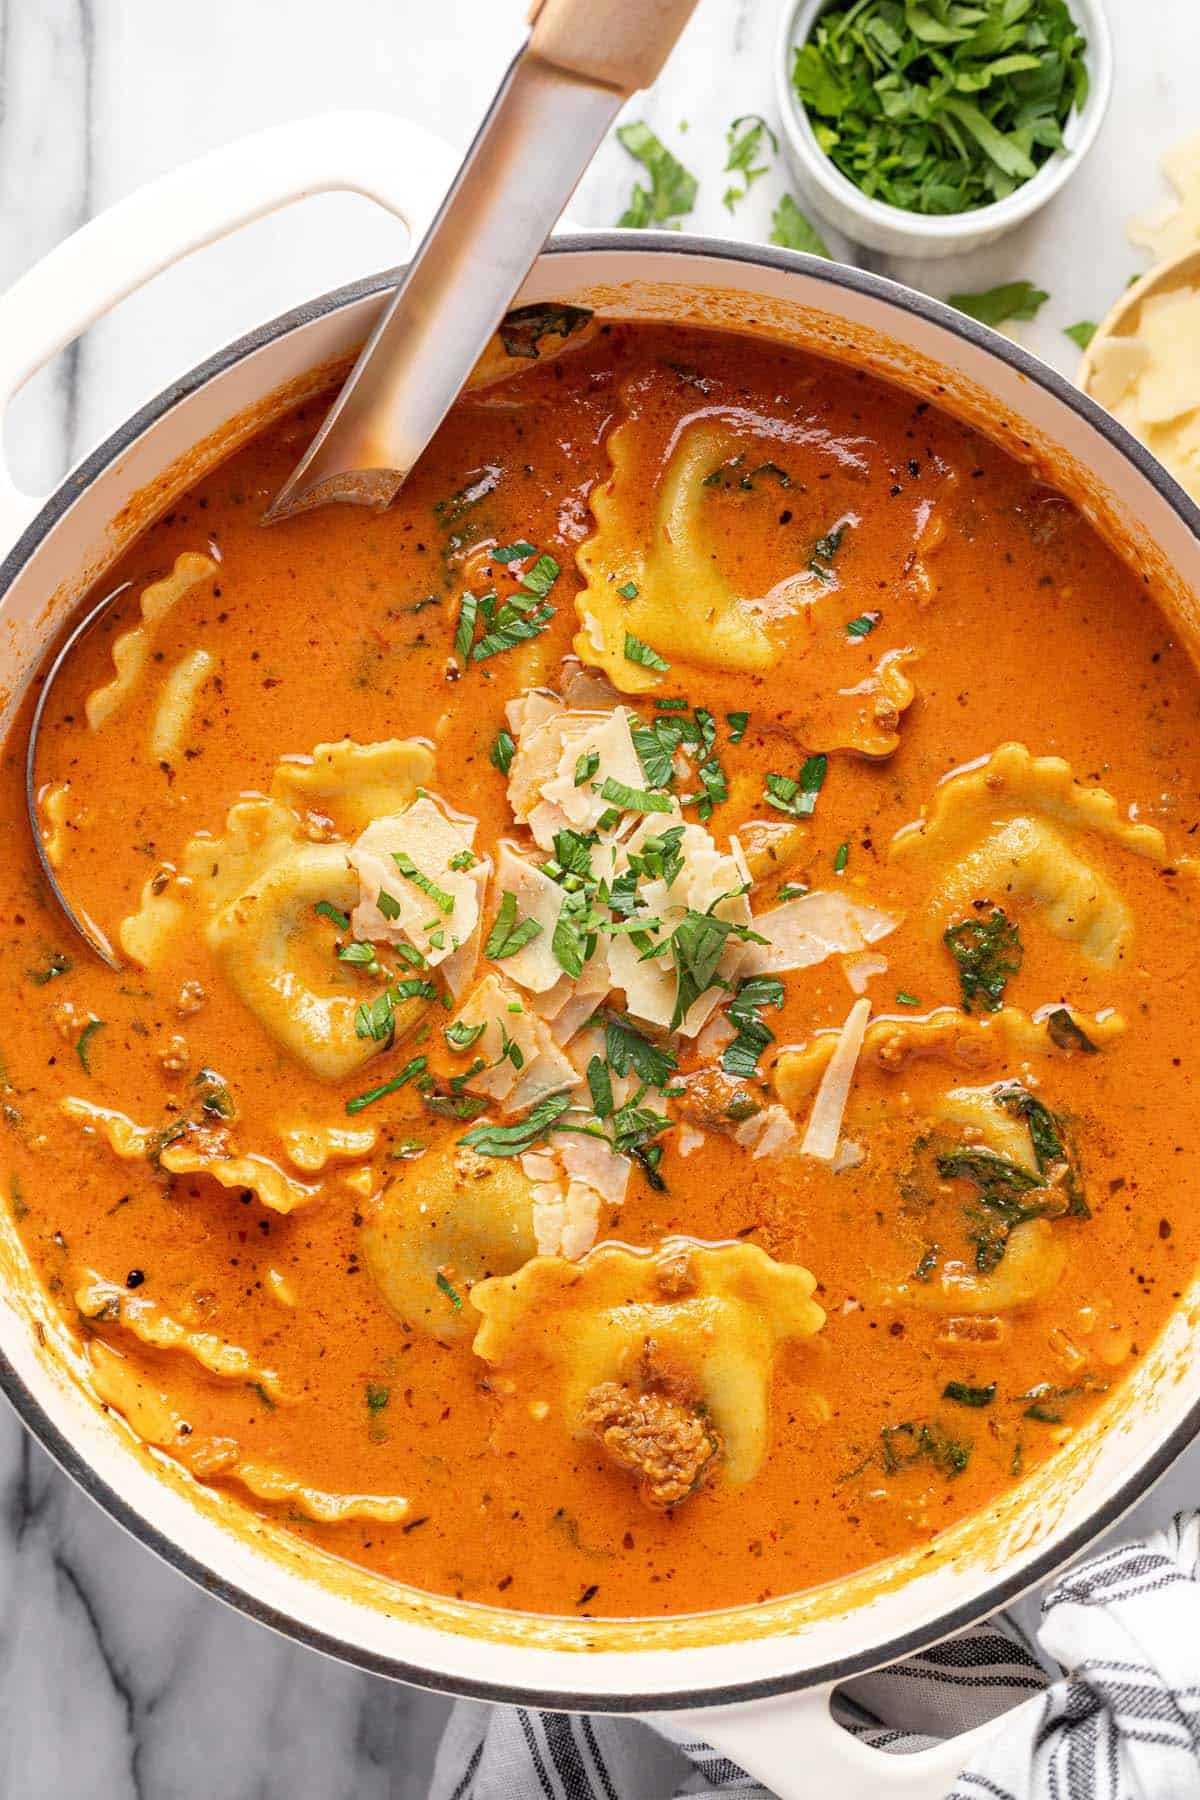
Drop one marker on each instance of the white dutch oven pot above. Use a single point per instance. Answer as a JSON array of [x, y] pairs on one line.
[[762, 1675]]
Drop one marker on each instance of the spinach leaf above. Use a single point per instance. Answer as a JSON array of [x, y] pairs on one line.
[[987, 952]]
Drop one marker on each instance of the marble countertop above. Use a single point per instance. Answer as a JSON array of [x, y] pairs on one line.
[[117, 1678]]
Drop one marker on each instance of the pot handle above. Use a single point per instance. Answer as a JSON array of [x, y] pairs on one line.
[[797, 1749], [392, 161]]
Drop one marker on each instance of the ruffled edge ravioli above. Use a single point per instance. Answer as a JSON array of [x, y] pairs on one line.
[[251, 892], [568, 1328], [683, 608]]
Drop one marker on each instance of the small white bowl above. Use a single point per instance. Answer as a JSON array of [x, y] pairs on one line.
[[890, 228]]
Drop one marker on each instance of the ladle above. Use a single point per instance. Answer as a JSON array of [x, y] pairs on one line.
[[580, 62]]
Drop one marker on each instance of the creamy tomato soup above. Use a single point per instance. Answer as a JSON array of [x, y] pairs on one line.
[[650, 1068]]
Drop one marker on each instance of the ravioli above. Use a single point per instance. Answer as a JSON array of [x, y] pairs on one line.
[[254, 890], [675, 600], [1002, 829], [700, 1320], [441, 1225]]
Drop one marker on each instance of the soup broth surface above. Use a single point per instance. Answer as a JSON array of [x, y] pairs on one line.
[[860, 603]]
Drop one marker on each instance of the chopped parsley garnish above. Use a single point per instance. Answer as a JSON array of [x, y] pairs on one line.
[[57, 963], [360, 954], [464, 631], [1081, 334], [903, 999], [415, 1067], [1011, 300], [941, 108], [389, 907], [864, 625], [575, 930], [737, 723], [672, 190], [463, 859], [451, 1293], [841, 858], [964, 1395], [83, 1044], [697, 945], [793, 231], [586, 765], [820, 563], [744, 146], [1065, 1034], [326, 910], [506, 553], [903, 1445], [501, 753], [635, 1125], [987, 951], [460, 1035], [628, 590], [408, 868], [542, 576], [625, 1048], [746, 1008], [629, 799], [507, 936], [797, 797], [654, 745], [522, 329], [599, 1082], [377, 1397], [1047, 1403], [376, 1018], [791, 890], [573, 854], [512, 1140], [638, 652]]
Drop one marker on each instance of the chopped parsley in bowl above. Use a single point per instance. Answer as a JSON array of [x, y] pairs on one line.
[[930, 126]]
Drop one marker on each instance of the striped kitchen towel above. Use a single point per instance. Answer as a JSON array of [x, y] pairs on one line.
[[1120, 1722]]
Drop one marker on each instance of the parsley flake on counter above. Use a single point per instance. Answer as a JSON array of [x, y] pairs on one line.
[[743, 147], [1011, 300], [792, 231], [672, 190], [1082, 333]]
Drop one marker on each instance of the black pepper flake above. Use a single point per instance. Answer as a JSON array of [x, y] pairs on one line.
[[589, 1593], [135, 1278]]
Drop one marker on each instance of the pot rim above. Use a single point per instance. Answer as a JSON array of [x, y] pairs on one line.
[[55, 1442]]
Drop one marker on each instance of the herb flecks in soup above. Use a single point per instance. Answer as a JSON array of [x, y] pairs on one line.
[[652, 1064]]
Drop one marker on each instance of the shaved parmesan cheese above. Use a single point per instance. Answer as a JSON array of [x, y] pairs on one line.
[[829, 1107], [425, 834], [459, 969], [708, 879], [542, 1070], [535, 965], [771, 1132], [1169, 330], [569, 1004], [542, 787], [805, 931], [1117, 363], [858, 970], [1174, 228], [716, 1034], [536, 1165], [565, 1223], [607, 736], [594, 1161]]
